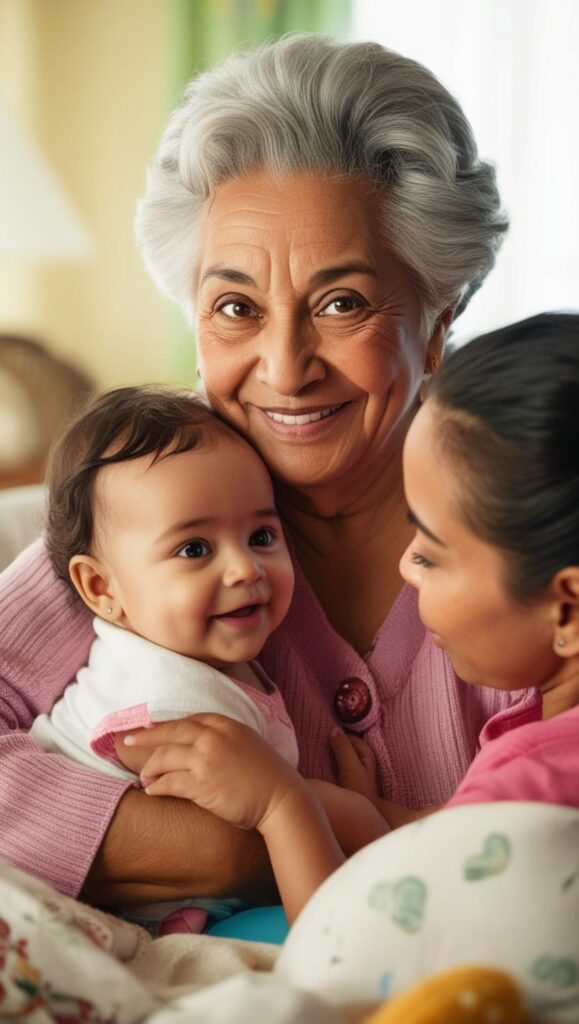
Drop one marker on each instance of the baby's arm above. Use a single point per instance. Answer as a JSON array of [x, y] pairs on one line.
[[355, 820], [228, 769], [356, 764]]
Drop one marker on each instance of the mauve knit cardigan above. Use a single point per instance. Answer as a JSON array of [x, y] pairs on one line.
[[422, 722]]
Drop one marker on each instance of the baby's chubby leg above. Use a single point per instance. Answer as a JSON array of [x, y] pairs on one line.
[[353, 818]]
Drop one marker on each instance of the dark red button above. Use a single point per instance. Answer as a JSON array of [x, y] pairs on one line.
[[352, 700]]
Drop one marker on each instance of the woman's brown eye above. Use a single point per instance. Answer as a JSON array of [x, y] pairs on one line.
[[236, 310], [345, 304]]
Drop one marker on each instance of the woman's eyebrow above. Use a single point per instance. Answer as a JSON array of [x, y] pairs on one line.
[[320, 277], [330, 273], [228, 274], [413, 518]]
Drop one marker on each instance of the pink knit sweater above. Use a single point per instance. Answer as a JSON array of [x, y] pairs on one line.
[[422, 722]]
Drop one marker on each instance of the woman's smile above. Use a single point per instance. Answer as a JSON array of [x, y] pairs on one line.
[[309, 328], [297, 424]]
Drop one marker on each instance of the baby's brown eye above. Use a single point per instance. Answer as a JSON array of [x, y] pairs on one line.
[[195, 549], [262, 538]]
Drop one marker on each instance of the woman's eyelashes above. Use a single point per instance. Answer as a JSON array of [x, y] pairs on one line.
[[236, 309], [419, 559], [341, 305]]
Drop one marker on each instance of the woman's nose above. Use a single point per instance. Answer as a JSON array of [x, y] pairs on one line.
[[408, 569], [242, 566], [288, 358]]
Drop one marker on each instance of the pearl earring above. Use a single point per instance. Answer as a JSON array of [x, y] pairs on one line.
[[560, 642], [110, 611]]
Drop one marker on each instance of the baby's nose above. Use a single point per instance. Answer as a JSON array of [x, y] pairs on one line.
[[242, 566]]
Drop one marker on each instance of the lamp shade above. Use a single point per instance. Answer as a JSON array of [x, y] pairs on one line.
[[37, 219]]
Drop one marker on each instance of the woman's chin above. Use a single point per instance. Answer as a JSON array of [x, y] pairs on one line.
[[465, 672], [440, 642]]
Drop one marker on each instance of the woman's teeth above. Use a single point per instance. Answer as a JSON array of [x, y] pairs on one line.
[[303, 418]]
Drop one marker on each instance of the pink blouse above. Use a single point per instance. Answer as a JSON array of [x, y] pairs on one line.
[[524, 758]]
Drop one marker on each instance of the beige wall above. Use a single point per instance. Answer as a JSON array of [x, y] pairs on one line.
[[91, 79]]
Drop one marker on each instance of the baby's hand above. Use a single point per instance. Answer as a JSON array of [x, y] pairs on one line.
[[130, 757], [356, 764], [218, 764]]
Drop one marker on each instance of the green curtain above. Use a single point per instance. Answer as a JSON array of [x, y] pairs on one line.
[[205, 31], [208, 30]]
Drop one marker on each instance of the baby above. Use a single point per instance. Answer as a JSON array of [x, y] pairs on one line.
[[163, 520], [491, 472]]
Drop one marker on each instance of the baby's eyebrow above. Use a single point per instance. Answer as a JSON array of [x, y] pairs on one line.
[[193, 524], [187, 524], [413, 518]]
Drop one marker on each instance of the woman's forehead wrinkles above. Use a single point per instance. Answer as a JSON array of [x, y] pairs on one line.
[[238, 262], [298, 200], [298, 232]]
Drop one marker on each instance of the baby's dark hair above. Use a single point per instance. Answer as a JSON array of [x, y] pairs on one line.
[[116, 426], [510, 420]]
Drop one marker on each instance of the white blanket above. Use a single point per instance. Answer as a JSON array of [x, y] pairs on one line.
[[60, 959], [500, 888]]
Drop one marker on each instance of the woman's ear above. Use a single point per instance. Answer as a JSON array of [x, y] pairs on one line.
[[437, 339], [565, 589], [92, 581]]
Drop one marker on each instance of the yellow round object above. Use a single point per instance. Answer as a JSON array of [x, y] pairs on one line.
[[463, 995]]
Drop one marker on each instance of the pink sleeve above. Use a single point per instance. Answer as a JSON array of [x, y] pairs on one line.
[[542, 774], [53, 813], [103, 736]]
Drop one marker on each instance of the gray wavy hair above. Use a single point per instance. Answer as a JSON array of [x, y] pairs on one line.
[[308, 102]]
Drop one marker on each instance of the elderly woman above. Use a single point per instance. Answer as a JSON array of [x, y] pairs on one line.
[[320, 212]]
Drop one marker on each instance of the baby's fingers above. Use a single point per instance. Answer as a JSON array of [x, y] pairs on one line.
[[180, 730], [176, 783], [343, 750], [364, 752], [174, 757]]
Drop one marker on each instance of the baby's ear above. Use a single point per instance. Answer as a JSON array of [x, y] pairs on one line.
[[92, 581], [565, 587]]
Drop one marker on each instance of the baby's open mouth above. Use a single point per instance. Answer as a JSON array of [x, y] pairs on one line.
[[239, 613]]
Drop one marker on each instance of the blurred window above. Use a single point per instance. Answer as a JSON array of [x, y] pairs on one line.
[[513, 66]]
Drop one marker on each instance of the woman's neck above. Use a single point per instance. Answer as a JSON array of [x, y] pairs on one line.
[[561, 693], [355, 497], [349, 544]]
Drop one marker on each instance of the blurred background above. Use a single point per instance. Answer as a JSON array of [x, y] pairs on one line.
[[85, 90]]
